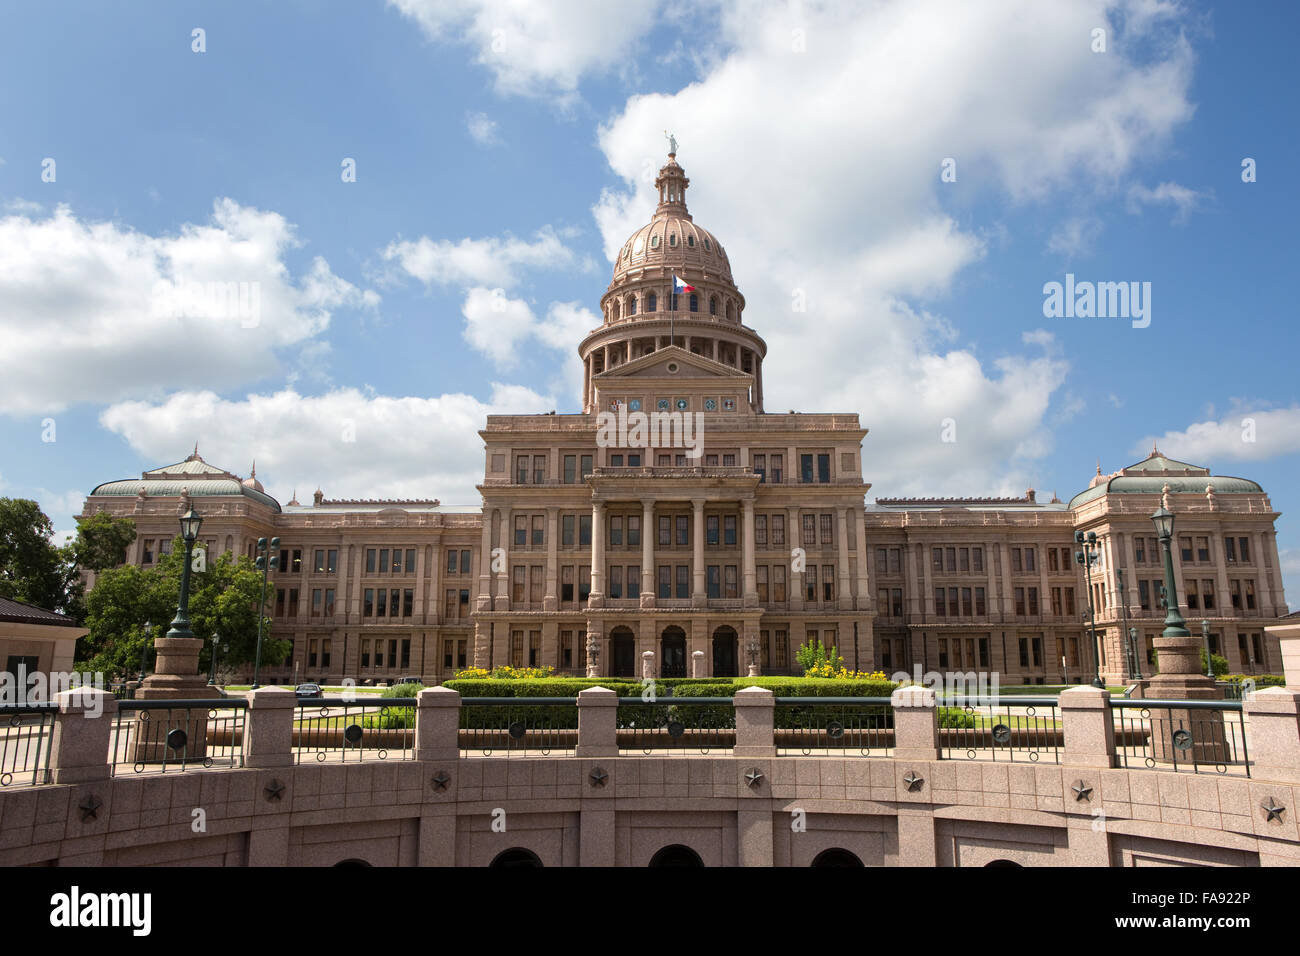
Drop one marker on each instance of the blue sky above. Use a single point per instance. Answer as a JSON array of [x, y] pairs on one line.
[[501, 151]]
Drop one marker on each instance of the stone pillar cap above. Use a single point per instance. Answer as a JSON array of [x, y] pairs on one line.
[[77, 700], [437, 697], [271, 697], [913, 696], [597, 695], [1085, 695]]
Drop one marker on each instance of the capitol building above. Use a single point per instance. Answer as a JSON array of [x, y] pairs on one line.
[[592, 540]]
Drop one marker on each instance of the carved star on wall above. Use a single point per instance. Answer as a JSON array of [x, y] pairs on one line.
[[1082, 792], [274, 790], [90, 808], [913, 781], [441, 779], [598, 777], [753, 776], [1274, 810]]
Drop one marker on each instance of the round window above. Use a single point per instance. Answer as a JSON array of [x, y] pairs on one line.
[[672, 367]]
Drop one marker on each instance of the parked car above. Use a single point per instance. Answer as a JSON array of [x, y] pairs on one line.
[[309, 690], [410, 680]]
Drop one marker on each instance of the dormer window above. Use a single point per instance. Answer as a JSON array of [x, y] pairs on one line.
[[690, 241], [707, 246], [672, 239], [654, 242]]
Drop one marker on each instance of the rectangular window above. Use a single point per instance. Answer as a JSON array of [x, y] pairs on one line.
[[1144, 595], [1015, 559], [824, 468], [449, 604], [1244, 548], [381, 602], [1250, 595], [539, 530], [760, 583], [828, 582], [464, 561], [368, 605], [809, 530], [1052, 560], [584, 462], [943, 652], [365, 652], [517, 574], [1202, 550], [316, 602], [882, 560], [634, 531], [536, 579], [616, 531], [521, 470], [936, 559], [714, 578], [1069, 602], [1029, 559], [570, 469], [1207, 595], [329, 602], [521, 531], [778, 464], [665, 531], [940, 602], [584, 531], [729, 531], [1020, 602], [1230, 550], [615, 582], [539, 469], [806, 469], [319, 563], [729, 582], [778, 583], [963, 559], [633, 581], [584, 583], [1033, 601], [979, 602], [1185, 548], [1189, 592], [683, 581], [1139, 550], [967, 605], [760, 531], [977, 559], [810, 584], [370, 560], [828, 536], [711, 530], [451, 560], [778, 531], [568, 524], [383, 560], [665, 581], [952, 602], [683, 530], [950, 556], [566, 583], [760, 468]]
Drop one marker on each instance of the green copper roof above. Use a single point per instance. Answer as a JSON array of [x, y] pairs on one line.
[[193, 475], [1149, 477]]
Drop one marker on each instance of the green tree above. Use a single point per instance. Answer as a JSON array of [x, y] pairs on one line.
[[32, 568], [223, 598], [101, 542]]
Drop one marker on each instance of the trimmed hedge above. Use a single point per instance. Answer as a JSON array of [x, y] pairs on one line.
[[1261, 680]]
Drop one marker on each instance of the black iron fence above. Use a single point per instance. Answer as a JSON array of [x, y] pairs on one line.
[[992, 728], [26, 733], [1187, 735], [834, 726], [518, 726], [702, 725], [327, 729], [173, 735]]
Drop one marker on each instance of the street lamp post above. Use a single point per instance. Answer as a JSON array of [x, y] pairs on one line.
[[212, 678], [1088, 555], [1175, 626], [1135, 668], [1209, 664], [144, 651], [190, 523], [1137, 653], [266, 560]]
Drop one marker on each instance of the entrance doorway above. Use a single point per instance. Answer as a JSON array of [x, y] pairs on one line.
[[622, 653], [672, 652], [676, 855], [725, 641]]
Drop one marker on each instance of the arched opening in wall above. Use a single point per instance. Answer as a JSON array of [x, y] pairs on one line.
[[616, 311], [631, 306], [725, 641], [836, 856], [622, 652], [695, 302], [713, 305], [516, 857], [651, 302], [672, 652], [1008, 863], [676, 855], [731, 309], [352, 863]]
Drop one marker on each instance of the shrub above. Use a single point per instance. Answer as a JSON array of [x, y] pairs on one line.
[[1261, 680], [813, 657], [956, 718]]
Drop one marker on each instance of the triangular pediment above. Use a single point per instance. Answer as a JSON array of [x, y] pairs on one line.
[[673, 362]]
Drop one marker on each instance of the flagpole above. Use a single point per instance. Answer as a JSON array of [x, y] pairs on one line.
[[672, 309]]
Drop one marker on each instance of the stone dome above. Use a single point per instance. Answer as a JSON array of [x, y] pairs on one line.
[[673, 242]]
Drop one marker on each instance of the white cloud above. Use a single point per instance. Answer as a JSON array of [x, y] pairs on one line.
[[1244, 435], [88, 315], [401, 446], [1183, 200], [488, 262], [1075, 236], [497, 326], [537, 49], [844, 200], [482, 128]]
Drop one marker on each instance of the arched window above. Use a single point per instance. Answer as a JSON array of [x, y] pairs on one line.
[[654, 242], [713, 305], [672, 239], [617, 313], [652, 302], [516, 858], [690, 241], [836, 856], [695, 302], [731, 309], [707, 247], [676, 855], [631, 306]]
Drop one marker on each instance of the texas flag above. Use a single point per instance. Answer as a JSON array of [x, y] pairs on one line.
[[680, 286]]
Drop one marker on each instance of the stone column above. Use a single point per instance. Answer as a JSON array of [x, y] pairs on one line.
[[845, 602], [751, 585], [504, 542], [794, 535], [866, 594], [597, 723], [916, 725], [437, 724], [698, 594], [175, 677], [268, 727], [1087, 726], [1274, 733], [551, 601], [755, 707], [83, 736], [697, 664], [1181, 678], [597, 597], [647, 552], [484, 599]]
